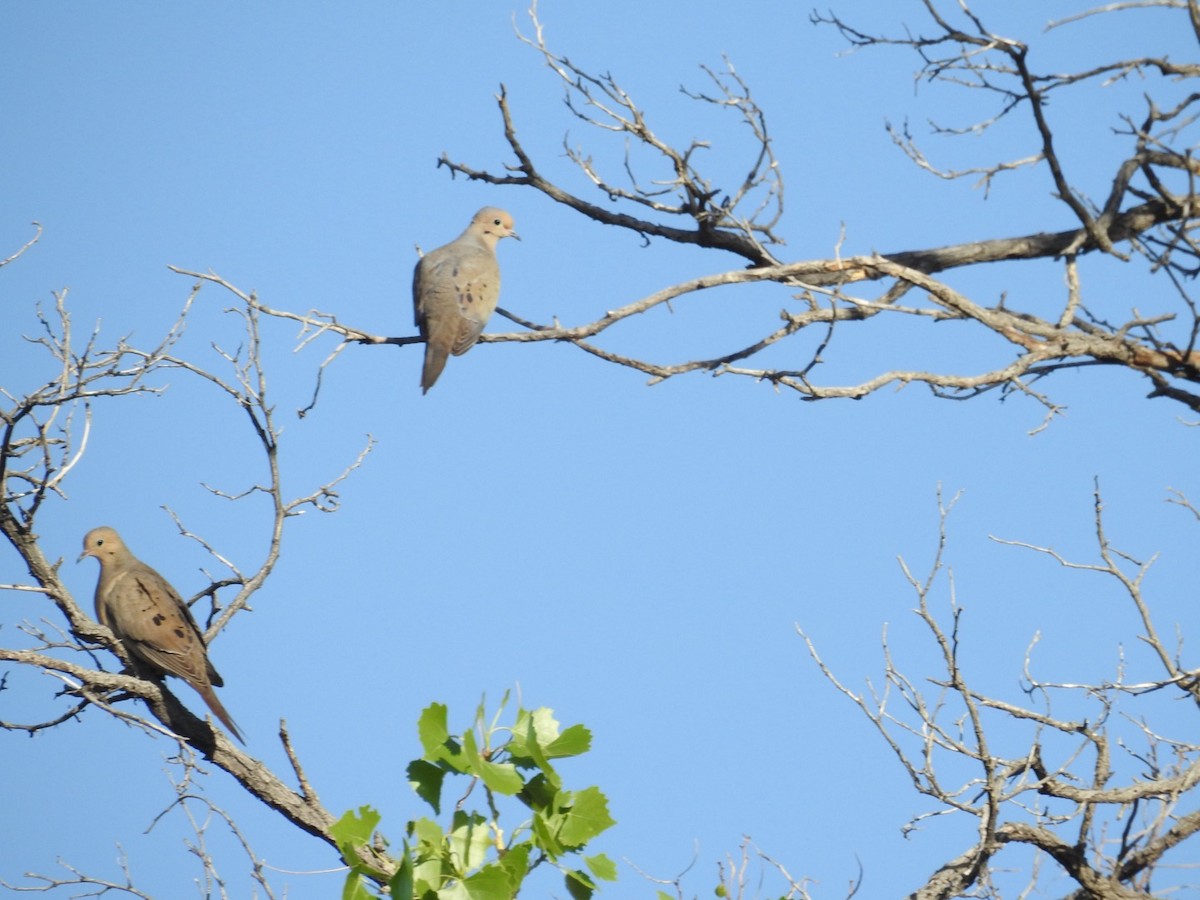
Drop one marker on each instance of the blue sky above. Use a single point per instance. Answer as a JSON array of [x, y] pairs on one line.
[[635, 558]]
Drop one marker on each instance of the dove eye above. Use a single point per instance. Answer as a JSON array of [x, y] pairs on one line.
[[495, 221]]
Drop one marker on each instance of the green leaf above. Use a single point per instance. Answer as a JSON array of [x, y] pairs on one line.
[[503, 778], [352, 832], [586, 816], [429, 855], [355, 830], [575, 740], [663, 895], [427, 832], [354, 889], [436, 742], [552, 743], [516, 862], [469, 840], [427, 879], [543, 836], [432, 729], [401, 883], [538, 793], [602, 867], [534, 749], [426, 779], [492, 882], [579, 885], [518, 744], [544, 724]]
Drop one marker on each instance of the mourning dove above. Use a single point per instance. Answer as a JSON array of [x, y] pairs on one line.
[[150, 619], [455, 289]]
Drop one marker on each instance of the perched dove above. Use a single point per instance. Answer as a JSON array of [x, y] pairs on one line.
[[150, 619], [455, 289]]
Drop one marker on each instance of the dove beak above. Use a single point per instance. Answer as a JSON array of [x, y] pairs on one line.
[[80, 559], [513, 234]]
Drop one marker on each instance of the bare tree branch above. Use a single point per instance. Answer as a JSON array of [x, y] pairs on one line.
[[939, 732], [43, 434]]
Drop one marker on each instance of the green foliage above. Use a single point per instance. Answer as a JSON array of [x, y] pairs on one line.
[[471, 857], [353, 835]]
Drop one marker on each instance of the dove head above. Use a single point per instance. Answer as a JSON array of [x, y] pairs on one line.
[[492, 224], [102, 543]]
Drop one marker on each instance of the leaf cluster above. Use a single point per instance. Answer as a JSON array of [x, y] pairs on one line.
[[471, 856]]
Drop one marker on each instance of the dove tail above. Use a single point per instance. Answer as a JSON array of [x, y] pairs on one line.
[[209, 696], [435, 361]]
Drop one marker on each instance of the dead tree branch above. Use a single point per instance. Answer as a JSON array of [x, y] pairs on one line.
[[1072, 784], [44, 435]]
